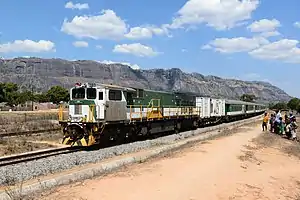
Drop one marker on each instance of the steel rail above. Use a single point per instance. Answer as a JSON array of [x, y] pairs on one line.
[[35, 155]]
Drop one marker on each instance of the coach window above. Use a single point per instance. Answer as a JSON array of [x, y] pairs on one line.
[[115, 95], [91, 93], [100, 95]]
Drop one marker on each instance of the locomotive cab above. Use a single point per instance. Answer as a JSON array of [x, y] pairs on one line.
[[82, 99], [92, 103]]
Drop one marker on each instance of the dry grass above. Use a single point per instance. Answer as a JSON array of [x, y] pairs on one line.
[[28, 121], [11, 122], [15, 190], [268, 140], [20, 145], [29, 126], [8, 118]]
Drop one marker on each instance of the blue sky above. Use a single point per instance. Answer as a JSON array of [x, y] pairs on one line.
[[244, 39]]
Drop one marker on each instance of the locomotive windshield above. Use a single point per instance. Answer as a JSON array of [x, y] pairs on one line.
[[78, 93], [91, 93]]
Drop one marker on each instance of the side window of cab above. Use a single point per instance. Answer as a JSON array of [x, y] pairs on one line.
[[115, 95]]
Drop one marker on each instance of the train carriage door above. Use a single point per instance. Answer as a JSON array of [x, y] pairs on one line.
[[101, 104]]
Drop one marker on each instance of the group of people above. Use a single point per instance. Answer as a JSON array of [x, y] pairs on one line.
[[278, 125]]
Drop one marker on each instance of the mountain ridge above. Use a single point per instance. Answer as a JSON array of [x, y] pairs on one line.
[[42, 73]]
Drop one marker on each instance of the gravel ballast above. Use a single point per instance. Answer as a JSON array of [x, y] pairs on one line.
[[30, 170]]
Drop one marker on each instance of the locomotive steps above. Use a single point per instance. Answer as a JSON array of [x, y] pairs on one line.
[[146, 150]]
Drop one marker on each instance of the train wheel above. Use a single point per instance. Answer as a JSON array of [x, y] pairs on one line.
[[177, 127], [195, 125]]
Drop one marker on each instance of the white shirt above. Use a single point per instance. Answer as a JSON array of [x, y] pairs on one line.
[[278, 115]]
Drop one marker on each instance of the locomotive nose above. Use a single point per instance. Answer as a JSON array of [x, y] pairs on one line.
[[76, 135], [72, 133]]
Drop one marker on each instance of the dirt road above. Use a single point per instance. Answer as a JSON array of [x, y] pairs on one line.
[[247, 165]]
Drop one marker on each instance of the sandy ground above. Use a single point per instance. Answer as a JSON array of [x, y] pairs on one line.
[[247, 165]]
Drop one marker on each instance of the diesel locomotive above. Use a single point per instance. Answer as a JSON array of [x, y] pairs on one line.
[[101, 112]]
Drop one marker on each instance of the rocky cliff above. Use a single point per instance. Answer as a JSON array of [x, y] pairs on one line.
[[44, 73]]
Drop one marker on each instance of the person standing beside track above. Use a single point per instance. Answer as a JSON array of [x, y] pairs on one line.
[[272, 123], [277, 122], [265, 122], [294, 127], [286, 118], [278, 115]]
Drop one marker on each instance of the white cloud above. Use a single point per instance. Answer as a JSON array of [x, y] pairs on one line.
[[233, 45], [99, 47], [139, 33], [285, 50], [297, 24], [80, 44], [27, 46], [145, 32], [215, 13], [78, 6], [107, 25], [136, 49], [264, 25], [133, 66], [206, 46], [270, 34], [183, 50]]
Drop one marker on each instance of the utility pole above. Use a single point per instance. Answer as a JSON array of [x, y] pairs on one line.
[[31, 64]]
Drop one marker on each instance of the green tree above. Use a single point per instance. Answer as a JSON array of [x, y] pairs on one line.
[[24, 96], [248, 97], [280, 106], [10, 87], [298, 108], [57, 94], [9, 93], [293, 103], [2, 93], [271, 105], [12, 98], [41, 98]]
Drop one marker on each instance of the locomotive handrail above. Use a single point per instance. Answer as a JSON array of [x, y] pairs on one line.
[[158, 113], [151, 103], [91, 113], [61, 113]]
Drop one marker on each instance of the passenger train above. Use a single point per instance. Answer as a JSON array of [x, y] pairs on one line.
[[101, 113]]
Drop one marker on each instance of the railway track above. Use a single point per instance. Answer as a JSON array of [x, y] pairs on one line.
[[34, 155]]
